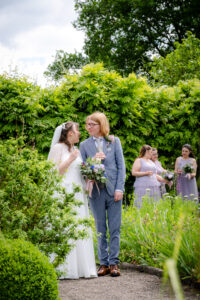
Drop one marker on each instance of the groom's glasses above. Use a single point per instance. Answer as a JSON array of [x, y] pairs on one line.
[[91, 124]]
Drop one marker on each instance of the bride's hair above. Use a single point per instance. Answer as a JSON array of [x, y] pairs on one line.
[[66, 128], [101, 119]]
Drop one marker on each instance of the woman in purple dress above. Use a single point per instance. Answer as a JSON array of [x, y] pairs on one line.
[[186, 182], [160, 169], [147, 180]]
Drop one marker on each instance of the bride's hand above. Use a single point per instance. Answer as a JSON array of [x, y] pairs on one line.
[[74, 154], [65, 164]]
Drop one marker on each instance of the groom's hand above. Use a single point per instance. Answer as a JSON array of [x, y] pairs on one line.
[[100, 155], [118, 195]]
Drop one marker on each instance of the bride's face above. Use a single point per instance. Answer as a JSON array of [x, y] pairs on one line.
[[74, 135]]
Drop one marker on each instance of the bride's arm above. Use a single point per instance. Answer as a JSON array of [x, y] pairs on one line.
[[55, 156], [65, 164]]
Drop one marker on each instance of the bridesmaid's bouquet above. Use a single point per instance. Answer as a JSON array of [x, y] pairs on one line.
[[94, 172], [188, 169], [169, 176]]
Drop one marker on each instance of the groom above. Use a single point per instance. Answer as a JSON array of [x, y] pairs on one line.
[[106, 202]]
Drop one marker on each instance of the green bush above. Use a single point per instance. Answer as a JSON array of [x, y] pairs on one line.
[[29, 111], [25, 273], [33, 205], [164, 117], [18, 106]]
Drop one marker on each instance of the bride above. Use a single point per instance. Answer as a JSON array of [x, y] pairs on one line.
[[81, 261]]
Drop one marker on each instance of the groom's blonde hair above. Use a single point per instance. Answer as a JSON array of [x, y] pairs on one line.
[[101, 119]]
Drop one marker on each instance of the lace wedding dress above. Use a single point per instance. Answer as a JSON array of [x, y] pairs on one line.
[[81, 261]]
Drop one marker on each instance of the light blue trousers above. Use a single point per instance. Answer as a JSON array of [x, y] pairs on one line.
[[106, 212]]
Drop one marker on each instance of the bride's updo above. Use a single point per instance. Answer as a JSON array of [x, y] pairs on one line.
[[66, 128]]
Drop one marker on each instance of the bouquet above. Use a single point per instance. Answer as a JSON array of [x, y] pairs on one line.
[[169, 176], [188, 169], [94, 172]]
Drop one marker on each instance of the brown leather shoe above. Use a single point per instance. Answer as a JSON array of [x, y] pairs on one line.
[[103, 270], [114, 270]]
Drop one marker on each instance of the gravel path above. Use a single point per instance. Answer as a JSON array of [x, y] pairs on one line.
[[131, 285]]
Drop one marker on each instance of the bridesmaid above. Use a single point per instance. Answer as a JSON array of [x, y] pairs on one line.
[[186, 185], [147, 180], [159, 168]]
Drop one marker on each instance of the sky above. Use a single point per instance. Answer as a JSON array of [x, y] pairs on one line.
[[30, 33]]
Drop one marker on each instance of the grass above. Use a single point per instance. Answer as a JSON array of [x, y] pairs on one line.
[[148, 235]]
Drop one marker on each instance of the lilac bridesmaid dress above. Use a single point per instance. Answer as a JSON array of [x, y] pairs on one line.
[[186, 187], [146, 185], [160, 170]]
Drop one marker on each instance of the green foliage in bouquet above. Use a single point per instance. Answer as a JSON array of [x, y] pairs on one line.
[[33, 204], [188, 168], [93, 169], [25, 273]]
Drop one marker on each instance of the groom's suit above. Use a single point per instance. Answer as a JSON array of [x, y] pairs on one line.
[[102, 201]]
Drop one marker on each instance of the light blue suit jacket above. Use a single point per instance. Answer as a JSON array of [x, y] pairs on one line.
[[114, 162]]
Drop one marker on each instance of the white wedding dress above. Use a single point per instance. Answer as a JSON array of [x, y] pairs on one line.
[[81, 261]]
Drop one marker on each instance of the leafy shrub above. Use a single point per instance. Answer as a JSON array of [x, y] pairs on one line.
[[148, 235], [33, 205], [53, 111], [181, 64], [25, 273], [164, 117], [18, 106], [29, 111]]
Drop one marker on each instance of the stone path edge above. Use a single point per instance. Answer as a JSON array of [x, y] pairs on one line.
[[142, 268], [154, 271]]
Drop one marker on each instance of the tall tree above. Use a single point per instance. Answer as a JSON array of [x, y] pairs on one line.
[[124, 34], [64, 63], [181, 64]]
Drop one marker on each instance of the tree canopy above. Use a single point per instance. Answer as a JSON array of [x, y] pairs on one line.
[[63, 62], [126, 34], [181, 64]]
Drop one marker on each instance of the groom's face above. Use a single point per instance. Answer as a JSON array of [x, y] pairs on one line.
[[93, 128]]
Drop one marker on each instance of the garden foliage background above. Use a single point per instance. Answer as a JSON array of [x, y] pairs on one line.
[[139, 113], [162, 111]]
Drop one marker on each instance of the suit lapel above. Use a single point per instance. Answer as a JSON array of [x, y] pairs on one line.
[[108, 146]]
